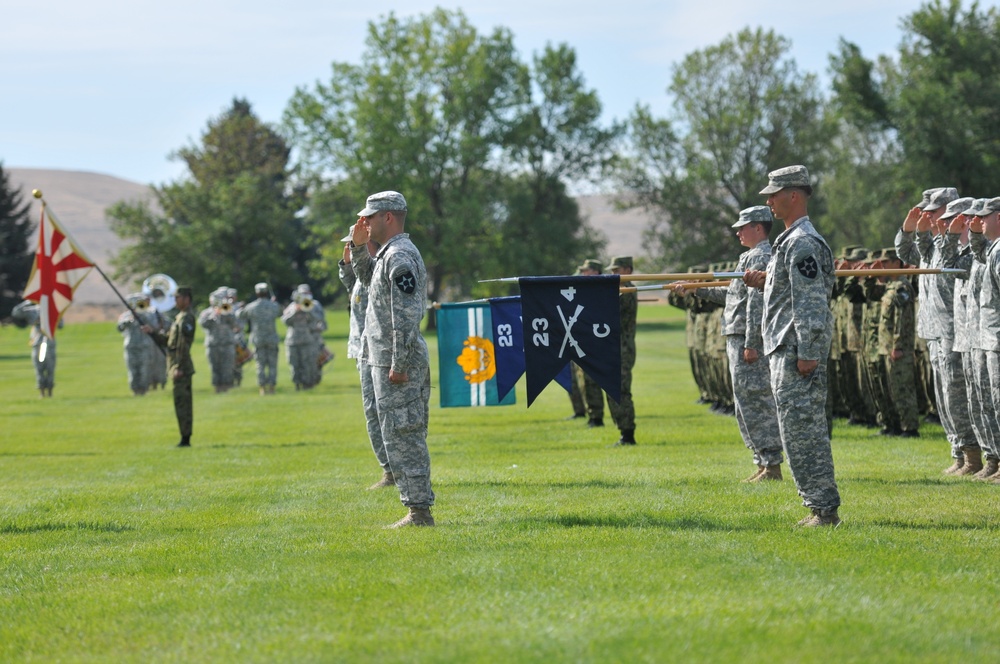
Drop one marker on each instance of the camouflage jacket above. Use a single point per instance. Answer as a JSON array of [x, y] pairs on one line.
[[989, 301], [179, 340], [396, 280], [261, 314], [897, 323], [797, 293], [744, 306], [359, 305]]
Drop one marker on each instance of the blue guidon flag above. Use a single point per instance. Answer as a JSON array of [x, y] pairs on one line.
[[466, 356], [508, 337], [571, 318]]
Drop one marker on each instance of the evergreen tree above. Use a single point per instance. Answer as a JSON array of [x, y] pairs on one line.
[[17, 247]]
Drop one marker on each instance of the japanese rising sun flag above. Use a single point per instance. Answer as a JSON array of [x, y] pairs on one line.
[[59, 268]]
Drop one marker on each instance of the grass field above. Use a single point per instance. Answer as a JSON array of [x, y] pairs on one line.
[[261, 543]]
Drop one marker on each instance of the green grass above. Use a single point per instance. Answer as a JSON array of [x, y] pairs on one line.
[[261, 543]]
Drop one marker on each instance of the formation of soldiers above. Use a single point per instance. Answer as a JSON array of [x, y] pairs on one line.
[[905, 349]]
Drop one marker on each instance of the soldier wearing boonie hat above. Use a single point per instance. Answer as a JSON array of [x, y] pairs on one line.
[[394, 347], [922, 241], [797, 327], [750, 374], [896, 343]]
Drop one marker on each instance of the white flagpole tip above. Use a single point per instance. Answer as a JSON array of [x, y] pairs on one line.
[[37, 193]]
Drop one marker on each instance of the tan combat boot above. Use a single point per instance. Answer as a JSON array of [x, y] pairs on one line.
[[973, 461], [989, 468], [760, 469], [955, 467], [388, 479], [418, 516], [769, 473], [829, 519], [813, 515]]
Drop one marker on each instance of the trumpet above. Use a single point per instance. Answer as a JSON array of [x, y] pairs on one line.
[[307, 304], [225, 308], [142, 306]]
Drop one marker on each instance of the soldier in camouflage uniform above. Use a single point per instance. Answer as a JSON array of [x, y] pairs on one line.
[[921, 241], [260, 316], [756, 414], [220, 327], [300, 341], [359, 307], [797, 330], [43, 349], [985, 240], [896, 340], [871, 367], [623, 411], [178, 343], [138, 345], [396, 280]]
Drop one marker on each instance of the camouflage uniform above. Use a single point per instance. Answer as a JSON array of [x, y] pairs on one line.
[[138, 347], [355, 339], [178, 341], [756, 414], [936, 324], [157, 358], [261, 315], [220, 345], [623, 411], [989, 318], [987, 421], [397, 298], [798, 325], [45, 365], [300, 345], [896, 332]]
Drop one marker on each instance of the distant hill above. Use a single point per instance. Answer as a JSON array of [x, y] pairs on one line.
[[80, 198]]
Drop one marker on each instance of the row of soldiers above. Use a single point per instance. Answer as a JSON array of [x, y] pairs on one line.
[[225, 322]]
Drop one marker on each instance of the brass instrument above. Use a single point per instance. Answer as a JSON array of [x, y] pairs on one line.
[[161, 291], [307, 304], [142, 306], [225, 308]]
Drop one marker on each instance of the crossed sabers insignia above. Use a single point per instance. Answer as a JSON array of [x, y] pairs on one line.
[[568, 338]]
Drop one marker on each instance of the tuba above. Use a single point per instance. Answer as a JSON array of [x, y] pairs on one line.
[[161, 290]]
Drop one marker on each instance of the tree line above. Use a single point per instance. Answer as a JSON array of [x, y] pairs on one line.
[[487, 147]]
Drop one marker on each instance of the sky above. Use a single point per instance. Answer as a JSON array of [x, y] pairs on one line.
[[115, 87]]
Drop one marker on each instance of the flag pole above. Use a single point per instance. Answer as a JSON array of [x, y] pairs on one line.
[[714, 276]]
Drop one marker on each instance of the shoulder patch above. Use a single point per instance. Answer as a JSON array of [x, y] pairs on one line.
[[808, 267], [406, 282]]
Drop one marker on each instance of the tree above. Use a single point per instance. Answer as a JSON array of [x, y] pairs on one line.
[[741, 109], [445, 115], [16, 246], [232, 222]]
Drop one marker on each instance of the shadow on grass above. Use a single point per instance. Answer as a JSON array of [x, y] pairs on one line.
[[661, 326], [915, 481], [48, 454], [15, 358], [925, 525], [641, 521], [22, 529], [262, 445]]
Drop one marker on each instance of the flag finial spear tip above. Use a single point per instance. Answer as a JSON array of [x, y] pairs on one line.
[[37, 193]]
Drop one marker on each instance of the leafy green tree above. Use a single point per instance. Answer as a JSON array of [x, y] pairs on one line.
[[16, 247], [482, 146], [742, 108], [233, 221]]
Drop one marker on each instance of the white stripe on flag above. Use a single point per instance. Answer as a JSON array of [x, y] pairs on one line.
[[477, 391]]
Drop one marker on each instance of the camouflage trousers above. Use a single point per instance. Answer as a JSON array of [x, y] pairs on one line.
[[137, 365], [951, 396], [982, 412], [623, 411], [157, 367], [402, 415], [992, 359], [592, 393], [575, 395], [302, 361], [45, 369], [184, 405], [901, 412], [753, 400], [371, 414], [801, 406], [222, 360], [266, 358]]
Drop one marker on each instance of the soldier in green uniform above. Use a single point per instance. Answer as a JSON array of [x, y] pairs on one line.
[[179, 365], [896, 340], [623, 411]]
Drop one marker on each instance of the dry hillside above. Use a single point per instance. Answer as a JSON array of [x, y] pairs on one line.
[[79, 199]]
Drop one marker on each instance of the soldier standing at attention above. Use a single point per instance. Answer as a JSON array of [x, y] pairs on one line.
[[396, 280], [180, 368], [797, 331], [623, 411], [138, 345], [260, 316], [741, 325], [896, 343]]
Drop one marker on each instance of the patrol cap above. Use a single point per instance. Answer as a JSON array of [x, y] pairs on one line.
[[621, 262], [261, 287], [591, 264], [185, 290], [350, 234], [941, 197], [303, 288], [753, 215], [382, 201], [789, 176], [976, 207], [989, 207], [958, 206], [927, 197]]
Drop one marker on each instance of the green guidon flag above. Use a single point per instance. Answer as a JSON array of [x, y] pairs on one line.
[[466, 358]]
